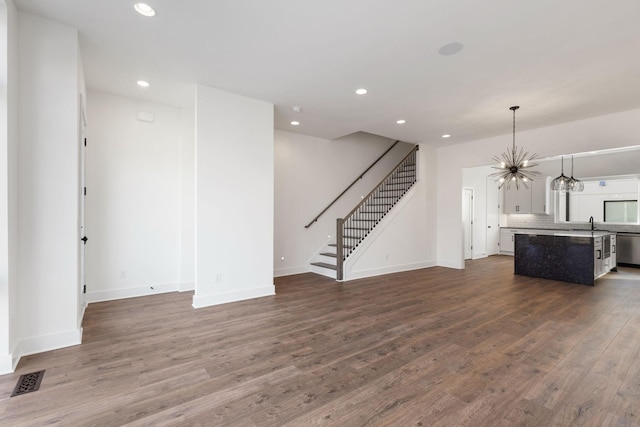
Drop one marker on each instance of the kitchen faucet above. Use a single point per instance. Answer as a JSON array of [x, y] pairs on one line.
[[591, 221]]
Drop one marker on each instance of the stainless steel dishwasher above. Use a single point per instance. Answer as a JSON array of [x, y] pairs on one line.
[[628, 250]]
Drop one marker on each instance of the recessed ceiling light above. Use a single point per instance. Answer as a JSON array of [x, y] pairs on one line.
[[144, 9], [450, 49], [295, 123], [142, 83], [401, 121], [446, 135], [361, 91]]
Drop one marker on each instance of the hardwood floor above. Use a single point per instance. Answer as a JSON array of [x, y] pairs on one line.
[[475, 347]]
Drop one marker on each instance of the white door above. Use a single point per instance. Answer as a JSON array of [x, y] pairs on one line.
[[493, 217], [467, 222]]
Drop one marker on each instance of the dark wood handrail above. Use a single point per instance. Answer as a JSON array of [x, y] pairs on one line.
[[351, 185]]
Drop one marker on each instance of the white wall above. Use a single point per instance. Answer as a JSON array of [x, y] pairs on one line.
[[614, 130], [133, 197], [48, 185], [405, 238], [309, 173], [234, 198]]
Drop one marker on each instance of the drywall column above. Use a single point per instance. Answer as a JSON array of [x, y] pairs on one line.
[[48, 183], [234, 198], [187, 200], [8, 184]]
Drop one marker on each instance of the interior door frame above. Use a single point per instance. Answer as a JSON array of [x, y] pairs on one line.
[[467, 221], [493, 234], [82, 301]]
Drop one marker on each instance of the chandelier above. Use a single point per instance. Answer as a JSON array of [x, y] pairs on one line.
[[564, 183], [512, 167]]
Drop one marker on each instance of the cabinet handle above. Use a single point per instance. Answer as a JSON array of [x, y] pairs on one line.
[[613, 249], [599, 254]]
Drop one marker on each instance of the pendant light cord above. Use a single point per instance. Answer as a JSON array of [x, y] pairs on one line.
[[514, 131]]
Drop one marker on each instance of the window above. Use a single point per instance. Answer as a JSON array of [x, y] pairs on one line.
[[621, 211]]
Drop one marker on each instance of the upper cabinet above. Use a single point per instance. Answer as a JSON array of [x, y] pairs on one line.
[[534, 199], [517, 201], [540, 196]]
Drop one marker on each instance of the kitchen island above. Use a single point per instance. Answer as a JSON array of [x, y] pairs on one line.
[[568, 256]]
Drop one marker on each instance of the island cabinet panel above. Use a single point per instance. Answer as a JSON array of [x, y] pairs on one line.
[[564, 258]]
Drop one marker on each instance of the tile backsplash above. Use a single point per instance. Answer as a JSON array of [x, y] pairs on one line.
[[548, 222]]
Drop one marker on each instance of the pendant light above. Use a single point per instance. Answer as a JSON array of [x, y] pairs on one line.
[[560, 183], [575, 184], [512, 167]]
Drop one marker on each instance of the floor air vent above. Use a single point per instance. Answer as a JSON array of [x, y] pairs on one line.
[[28, 383]]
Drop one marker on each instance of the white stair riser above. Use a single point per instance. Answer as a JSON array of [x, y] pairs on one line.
[[323, 271]]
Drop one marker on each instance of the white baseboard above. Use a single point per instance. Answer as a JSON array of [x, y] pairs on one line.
[[200, 301], [389, 269], [280, 272], [451, 264], [7, 364], [49, 342], [139, 291], [186, 286]]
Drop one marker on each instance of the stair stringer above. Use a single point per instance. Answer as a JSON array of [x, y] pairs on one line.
[[379, 230]]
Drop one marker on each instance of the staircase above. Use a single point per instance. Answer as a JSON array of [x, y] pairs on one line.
[[358, 224]]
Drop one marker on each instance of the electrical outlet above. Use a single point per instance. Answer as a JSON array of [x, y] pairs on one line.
[[218, 277], [123, 274]]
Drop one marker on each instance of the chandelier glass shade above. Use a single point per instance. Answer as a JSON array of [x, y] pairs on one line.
[[564, 183], [560, 183], [513, 166]]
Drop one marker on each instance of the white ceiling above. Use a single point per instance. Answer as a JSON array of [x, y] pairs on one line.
[[559, 60]]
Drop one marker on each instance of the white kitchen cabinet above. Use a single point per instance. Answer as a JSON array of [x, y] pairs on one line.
[[507, 241], [598, 257], [517, 201], [534, 199], [614, 250], [540, 196]]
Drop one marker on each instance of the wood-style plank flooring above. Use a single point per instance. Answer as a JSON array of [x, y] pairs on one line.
[[432, 347]]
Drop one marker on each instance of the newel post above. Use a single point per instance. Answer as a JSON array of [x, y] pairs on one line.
[[339, 248]]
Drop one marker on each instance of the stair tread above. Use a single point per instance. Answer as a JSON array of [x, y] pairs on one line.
[[344, 246], [324, 265], [329, 254]]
